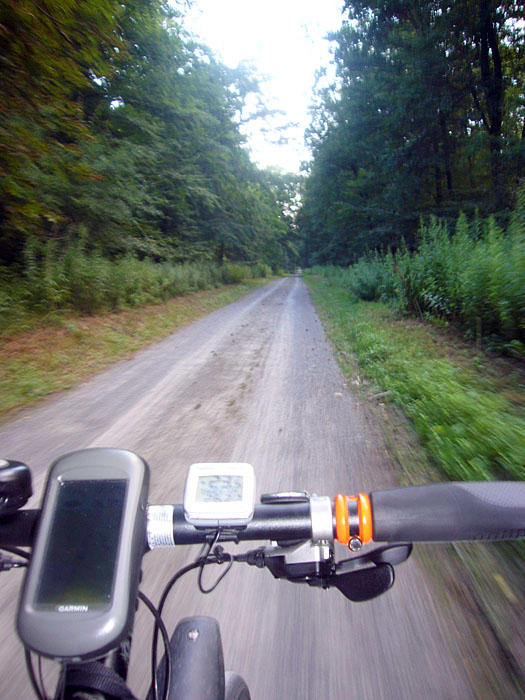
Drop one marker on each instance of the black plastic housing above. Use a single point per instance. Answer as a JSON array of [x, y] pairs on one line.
[[365, 584], [450, 512], [15, 486], [19, 529], [198, 662]]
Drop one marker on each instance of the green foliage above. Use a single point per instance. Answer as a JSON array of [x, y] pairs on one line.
[[262, 270], [88, 282], [51, 57], [119, 131], [474, 277], [471, 431], [425, 117], [234, 273], [367, 277]]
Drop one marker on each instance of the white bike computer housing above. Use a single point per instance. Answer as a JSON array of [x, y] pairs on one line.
[[219, 494], [81, 586]]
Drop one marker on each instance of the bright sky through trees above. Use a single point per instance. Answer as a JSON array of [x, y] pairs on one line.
[[285, 41]]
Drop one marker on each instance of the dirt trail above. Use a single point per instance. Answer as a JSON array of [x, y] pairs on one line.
[[255, 381]]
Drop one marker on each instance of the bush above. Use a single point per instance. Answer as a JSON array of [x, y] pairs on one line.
[[474, 277], [89, 282], [261, 270], [365, 278], [234, 273]]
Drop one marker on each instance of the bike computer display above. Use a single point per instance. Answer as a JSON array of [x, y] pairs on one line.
[[219, 494], [81, 586]]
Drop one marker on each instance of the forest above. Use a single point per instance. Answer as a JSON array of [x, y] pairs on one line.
[[120, 136], [125, 176], [426, 117]]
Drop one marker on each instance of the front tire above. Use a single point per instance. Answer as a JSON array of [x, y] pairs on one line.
[[235, 687]]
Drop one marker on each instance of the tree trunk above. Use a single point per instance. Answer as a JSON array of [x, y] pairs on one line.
[[492, 83], [437, 174], [446, 152]]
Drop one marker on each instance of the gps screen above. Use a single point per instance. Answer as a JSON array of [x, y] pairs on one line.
[[79, 561]]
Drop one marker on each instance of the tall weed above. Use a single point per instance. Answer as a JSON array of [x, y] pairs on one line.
[[474, 277], [88, 282]]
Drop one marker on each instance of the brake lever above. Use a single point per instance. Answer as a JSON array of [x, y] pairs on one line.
[[393, 554], [359, 582], [364, 584], [360, 578]]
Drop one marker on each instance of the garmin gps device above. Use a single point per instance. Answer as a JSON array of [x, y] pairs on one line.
[[80, 591], [219, 494]]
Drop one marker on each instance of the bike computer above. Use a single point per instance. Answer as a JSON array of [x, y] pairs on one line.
[[81, 586], [219, 494]]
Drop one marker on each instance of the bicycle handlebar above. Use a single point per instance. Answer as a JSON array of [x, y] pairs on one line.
[[444, 512], [450, 511], [303, 530]]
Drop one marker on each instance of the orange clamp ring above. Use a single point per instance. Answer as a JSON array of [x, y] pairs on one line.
[[364, 510], [364, 513], [342, 526]]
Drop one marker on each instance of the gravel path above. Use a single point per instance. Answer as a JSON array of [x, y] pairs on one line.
[[255, 381]]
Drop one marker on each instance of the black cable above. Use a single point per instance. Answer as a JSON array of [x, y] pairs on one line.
[[206, 547], [61, 686], [214, 586], [40, 693], [220, 558], [41, 675], [203, 558], [16, 550], [160, 608], [165, 638]]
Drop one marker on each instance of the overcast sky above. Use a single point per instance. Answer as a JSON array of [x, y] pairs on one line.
[[285, 40]]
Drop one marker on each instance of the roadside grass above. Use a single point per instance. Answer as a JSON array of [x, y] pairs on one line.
[[466, 407], [42, 354], [466, 410]]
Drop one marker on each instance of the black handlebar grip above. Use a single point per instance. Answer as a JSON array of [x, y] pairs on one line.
[[449, 512]]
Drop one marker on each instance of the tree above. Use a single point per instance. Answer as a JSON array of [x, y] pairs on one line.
[[121, 130], [51, 50], [424, 118]]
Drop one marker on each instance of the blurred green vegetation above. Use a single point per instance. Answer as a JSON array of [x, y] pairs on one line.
[[119, 129], [474, 278], [468, 416], [87, 282]]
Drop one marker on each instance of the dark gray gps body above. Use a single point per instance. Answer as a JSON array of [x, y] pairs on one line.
[[78, 600]]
